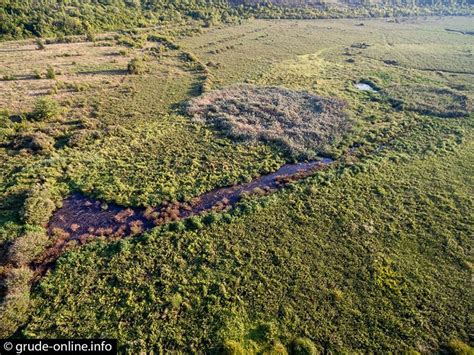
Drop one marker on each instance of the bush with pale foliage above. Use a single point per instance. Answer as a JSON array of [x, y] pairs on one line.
[[301, 123]]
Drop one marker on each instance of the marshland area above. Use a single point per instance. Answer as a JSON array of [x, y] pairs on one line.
[[373, 253]]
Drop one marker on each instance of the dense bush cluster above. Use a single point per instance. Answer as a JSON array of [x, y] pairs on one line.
[[365, 9], [43, 18], [304, 346], [14, 308], [17, 276], [294, 243], [136, 66], [27, 247], [278, 258], [301, 123], [39, 206]]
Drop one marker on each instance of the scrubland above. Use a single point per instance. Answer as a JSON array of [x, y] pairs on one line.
[[370, 255]]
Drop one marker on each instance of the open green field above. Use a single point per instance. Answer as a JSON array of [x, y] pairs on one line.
[[373, 254]]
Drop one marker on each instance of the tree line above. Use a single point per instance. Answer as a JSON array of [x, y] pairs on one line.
[[49, 18]]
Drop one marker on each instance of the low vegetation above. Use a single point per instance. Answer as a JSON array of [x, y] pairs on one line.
[[15, 308], [371, 255], [136, 66], [303, 124], [326, 260], [28, 247], [38, 206], [429, 100], [44, 109], [38, 142]]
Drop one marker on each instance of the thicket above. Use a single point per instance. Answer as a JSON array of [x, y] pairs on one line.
[[458, 347], [163, 40], [304, 346], [43, 18], [28, 247], [301, 123], [38, 206], [17, 275], [50, 73], [414, 8], [264, 252]]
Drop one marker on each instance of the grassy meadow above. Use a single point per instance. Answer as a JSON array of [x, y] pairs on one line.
[[373, 254]]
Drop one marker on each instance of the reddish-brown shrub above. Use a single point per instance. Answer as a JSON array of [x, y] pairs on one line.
[[136, 227], [123, 215]]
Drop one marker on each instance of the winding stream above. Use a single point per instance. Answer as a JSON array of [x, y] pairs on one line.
[[81, 219]]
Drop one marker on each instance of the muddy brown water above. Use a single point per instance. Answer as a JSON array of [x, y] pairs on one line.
[[81, 218]]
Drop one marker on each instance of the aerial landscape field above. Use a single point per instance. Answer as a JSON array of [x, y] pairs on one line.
[[260, 181]]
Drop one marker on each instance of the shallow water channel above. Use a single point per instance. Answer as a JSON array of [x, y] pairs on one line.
[[81, 217]]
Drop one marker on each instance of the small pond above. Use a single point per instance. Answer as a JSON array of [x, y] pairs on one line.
[[365, 87]]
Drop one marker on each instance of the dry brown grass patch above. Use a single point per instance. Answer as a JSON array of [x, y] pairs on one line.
[[301, 123]]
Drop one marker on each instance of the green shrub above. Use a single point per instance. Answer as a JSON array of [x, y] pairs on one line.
[[37, 74], [177, 226], [8, 77], [210, 218], [50, 73], [194, 223], [44, 109], [4, 115], [162, 40], [131, 42], [90, 36], [15, 306], [275, 349], [39, 44], [190, 57], [136, 66], [458, 347], [303, 346], [232, 347], [429, 100], [82, 137], [28, 247], [38, 206]]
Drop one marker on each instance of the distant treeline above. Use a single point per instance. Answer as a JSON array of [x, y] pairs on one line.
[[49, 18], [272, 11], [44, 18], [312, 3]]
